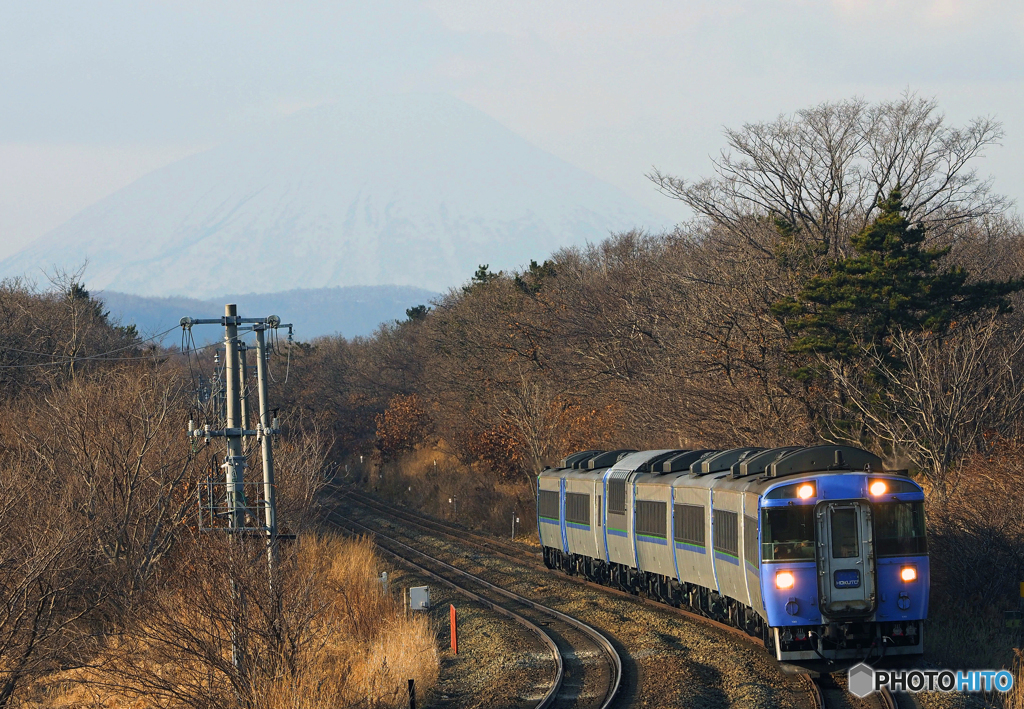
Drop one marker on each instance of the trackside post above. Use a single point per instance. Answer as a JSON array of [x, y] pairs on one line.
[[454, 630]]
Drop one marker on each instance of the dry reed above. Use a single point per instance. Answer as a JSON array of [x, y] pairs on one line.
[[356, 649]]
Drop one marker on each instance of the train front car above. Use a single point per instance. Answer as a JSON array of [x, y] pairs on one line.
[[844, 564]]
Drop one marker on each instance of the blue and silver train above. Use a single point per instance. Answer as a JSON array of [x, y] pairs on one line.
[[816, 550]]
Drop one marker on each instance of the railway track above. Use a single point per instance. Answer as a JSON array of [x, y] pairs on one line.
[[498, 546], [519, 555], [578, 650], [525, 557], [830, 692]]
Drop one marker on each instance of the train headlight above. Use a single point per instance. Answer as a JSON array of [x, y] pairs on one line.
[[784, 579], [908, 574], [806, 491], [877, 487]]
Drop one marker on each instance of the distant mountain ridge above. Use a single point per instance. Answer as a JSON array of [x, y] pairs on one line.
[[407, 190], [355, 311]]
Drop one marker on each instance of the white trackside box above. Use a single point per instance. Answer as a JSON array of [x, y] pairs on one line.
[[419, 598]]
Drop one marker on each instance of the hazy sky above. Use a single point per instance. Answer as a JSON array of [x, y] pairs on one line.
[[95, 93]]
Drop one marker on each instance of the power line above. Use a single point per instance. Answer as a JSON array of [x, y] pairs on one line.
[[84, 358], [103, 355]]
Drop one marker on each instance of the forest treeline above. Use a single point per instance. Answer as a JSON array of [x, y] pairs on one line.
[[848, 277], [111, 594]]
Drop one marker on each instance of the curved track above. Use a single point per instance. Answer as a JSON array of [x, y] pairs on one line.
[[831, 693], [573, 643], [525, 556], [492, 544]]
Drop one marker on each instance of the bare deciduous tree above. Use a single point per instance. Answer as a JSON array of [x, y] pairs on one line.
[[823, 170], [940, 397]]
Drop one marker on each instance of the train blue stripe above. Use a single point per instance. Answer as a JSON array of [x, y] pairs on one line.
[[691, 547], [727, 557], [651, 540]]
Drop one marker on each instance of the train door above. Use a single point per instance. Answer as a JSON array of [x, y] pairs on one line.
[[561, 514], [846, 562]]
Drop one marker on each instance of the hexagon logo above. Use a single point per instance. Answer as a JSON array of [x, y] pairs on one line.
[[861, 680]]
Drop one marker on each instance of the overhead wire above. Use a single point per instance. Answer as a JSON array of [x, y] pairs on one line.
[[275, 348], [85, 358], [288, 361]]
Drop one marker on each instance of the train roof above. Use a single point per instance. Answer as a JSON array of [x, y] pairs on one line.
[[747, 468]]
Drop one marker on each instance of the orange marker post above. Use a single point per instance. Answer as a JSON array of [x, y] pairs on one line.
[[455, 632]]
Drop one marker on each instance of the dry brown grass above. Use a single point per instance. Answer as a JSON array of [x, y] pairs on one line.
[[357, 649]]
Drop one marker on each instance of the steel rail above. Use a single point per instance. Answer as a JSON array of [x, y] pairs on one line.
[[817, 696], [500, 546], [884, 698], [615, 661], [887, 699], [556, 684]]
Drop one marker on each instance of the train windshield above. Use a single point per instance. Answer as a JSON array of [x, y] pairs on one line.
[[899, 528], [787, 533]]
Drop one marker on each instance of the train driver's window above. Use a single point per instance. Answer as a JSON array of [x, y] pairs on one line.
[[787, 533], [900, 529], [844, 533]]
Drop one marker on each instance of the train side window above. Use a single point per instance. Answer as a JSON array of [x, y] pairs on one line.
[[787, 533], [726, 532], [750, 540], [549, 504], [845, 544], [600, 512], [617, 497], [689, 524], [577, 508], [651, 519]]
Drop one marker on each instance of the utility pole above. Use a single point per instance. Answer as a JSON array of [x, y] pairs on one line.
[[235, 463], [266, 426], [237, 424], [240, 517], [243, 357]]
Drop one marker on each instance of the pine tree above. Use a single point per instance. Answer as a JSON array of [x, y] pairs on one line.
[[893, 281], [482, 277]]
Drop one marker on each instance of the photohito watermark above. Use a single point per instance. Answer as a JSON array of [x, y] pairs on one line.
[[863, 680]]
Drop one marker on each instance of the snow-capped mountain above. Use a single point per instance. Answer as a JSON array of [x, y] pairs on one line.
[[408, 190]]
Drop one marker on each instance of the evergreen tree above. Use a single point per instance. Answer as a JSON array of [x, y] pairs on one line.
[[482, 277], [532, 281], [893, 281], [417, 313]]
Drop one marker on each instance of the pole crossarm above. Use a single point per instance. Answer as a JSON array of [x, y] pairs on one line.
[[271, 321], [207, 432]]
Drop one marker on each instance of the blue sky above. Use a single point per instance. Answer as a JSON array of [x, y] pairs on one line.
[[96, 93]]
